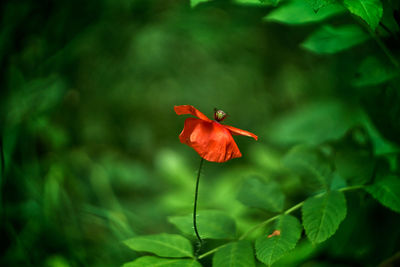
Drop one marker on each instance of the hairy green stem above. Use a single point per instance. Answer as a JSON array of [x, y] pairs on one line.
[[262, 224], [349, 188], [382, 46], [295, 207], [211, 251], [266, 222], [195, 209]]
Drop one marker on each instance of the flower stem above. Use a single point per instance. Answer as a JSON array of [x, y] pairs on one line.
[[195, 208]]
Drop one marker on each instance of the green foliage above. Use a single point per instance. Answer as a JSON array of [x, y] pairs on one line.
[[322, 215], [91, 165], [354, 160], [194, 3], [38, 97], [299, 12], [374, 71], [235, 254], [303, 250], [381, 145], [164, 245], [311, 165], [257, 2], [318, 4], [314, 123], [210, 223], [383, 112], [330, 40], [267, 196], [156, 262], [271, 249], [386, 190], [370, 11]]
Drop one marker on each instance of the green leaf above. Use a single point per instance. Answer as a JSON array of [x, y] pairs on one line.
[[354, 160], [322, 215], [303, 251], [383, 109], [164, 245], [194, 3], [387, 191], [235, 254], [330, 40], [317, 4], [210, 223], [381, 145], [269, 250], [373, 71], [332, 119], [255, 193], [34, 99], [338, 182], [311, 165], [369, 10], [158, 262], [299, 12], [258, 2]]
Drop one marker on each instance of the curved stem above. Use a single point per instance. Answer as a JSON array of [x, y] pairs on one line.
[[212, 251], [264, 223], [295, 207], [386, 50], [195, 208], [289, 210], [382, 46], [348, 188]]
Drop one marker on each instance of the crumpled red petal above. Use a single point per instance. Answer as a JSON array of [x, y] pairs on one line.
[[188, 109], [238, 131], [210, 140]]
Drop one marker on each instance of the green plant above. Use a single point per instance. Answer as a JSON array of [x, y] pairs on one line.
[[92, 172], [342, 159]]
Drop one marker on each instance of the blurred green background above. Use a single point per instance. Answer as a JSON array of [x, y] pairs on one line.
[[90, 138]]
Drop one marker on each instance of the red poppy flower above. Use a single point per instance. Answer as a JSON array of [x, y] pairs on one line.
[[212, 140]]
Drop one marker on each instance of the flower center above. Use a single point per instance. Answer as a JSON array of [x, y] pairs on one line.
[[219, 115]]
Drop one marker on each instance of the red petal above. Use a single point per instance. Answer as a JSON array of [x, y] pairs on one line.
[[188, 109], [210, 139], [237, 131]]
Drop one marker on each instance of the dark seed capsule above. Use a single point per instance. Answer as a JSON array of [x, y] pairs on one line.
[[219, 115]]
